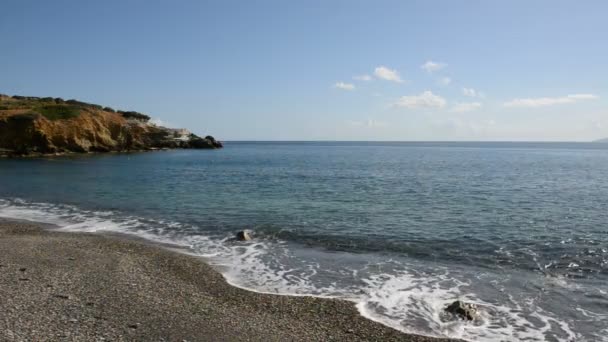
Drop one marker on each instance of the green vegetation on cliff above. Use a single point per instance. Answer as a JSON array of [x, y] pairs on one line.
[[58, 111], [58, 108]]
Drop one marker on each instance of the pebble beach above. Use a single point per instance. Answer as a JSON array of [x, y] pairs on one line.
[[58, 286]]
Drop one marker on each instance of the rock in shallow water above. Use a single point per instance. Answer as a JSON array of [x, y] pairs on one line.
[[462, 310], [243, 235]]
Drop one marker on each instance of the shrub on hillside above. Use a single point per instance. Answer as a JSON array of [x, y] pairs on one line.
[[83, 104], [58, 112], [134, 115], [19, 97], [75, 102]]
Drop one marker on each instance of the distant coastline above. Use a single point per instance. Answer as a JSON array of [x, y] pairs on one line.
[[434, 142], [35, 126]]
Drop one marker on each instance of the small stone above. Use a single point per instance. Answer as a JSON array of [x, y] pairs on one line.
[[134, 326], [62, 296], [24, 279], [22, 269]]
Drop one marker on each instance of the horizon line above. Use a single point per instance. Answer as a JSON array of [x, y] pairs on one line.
[[420, 141]]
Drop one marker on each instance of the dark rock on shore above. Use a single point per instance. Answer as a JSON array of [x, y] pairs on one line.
[[462, 310], [206, 142], [244, 235]]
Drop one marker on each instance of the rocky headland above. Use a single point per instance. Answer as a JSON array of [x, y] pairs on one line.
[[46, 126]]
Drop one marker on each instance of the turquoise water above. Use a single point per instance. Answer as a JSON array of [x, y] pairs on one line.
[[402, 229]]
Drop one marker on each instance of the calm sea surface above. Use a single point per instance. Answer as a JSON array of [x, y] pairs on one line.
[[402, 229]]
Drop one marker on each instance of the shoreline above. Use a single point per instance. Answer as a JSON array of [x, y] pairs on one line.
[[85, 286], [34, 155]]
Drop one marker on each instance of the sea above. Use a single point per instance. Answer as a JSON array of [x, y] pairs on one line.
[[402, 229]]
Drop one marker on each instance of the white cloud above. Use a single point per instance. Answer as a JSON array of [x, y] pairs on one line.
[[362, 78], [466, 107], [549, 101], [344, 86], [387, 74], [431, 66], [425, 100], [370, 123], [445, 81], [470, 92]]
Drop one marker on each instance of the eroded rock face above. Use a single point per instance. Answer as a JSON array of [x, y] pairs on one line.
[[244, 235], [462, 310], [20, 134]]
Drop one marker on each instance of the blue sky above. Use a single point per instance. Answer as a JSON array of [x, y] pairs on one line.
[[322, 70]]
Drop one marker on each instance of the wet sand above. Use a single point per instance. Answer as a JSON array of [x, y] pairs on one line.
[[57, 286]]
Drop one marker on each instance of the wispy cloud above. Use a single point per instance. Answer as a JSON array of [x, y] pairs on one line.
[[362, 78], [370, 123], [549, 101], [425, 100], [387, 74], [431, 66], [445, 81], [470, 92], [344, 86], [466, 107]]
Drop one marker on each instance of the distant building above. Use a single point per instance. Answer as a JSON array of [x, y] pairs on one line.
[[180, 134]]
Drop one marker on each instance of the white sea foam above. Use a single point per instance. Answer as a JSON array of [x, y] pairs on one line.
[[391, 292], [409, 302]]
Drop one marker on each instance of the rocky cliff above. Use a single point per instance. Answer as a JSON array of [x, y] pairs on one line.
[[32, 125]]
